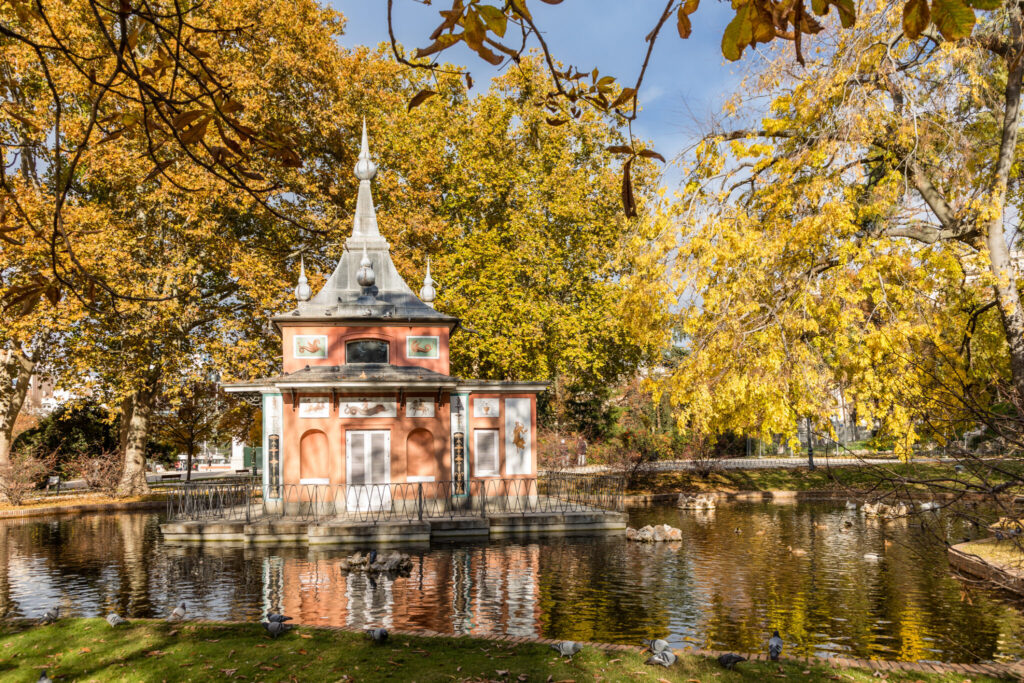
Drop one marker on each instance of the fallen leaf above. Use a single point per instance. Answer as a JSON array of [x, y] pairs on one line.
[[213, 640], [501, 672], [806, 671], [305, 635], [85, 649], [228, 672], [612, 661], [302, 652], [259, 645], [155, 653]]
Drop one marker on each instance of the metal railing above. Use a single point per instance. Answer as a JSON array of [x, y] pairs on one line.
[[213, 500], [400, 502]]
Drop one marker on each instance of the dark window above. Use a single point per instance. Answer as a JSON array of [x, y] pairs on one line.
[[366, 351]]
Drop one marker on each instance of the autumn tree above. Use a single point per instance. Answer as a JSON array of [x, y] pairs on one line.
[[858, 238], [188, 416], [500, 33]]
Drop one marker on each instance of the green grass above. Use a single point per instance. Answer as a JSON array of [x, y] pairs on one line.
[[88, 649], [838, 479]]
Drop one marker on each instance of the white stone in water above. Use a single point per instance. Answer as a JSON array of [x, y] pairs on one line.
[[654, 534]]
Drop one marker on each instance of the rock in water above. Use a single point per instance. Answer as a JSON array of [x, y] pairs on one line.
[[378, 635], [567, 648], [775, 646], [178, 614], [664, 658], [729, 660], [656, 646], [116, 620]]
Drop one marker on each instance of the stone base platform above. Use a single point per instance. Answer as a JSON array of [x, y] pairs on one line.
[[343, 532]]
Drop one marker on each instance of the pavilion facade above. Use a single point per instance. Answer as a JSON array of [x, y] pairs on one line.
[[365, 400]]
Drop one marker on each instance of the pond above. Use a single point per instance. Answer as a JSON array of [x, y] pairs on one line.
[[730, 581]]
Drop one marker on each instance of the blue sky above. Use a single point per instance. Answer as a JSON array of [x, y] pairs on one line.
[[687, 82]]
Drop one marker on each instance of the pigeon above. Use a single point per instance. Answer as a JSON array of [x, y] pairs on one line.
[[115, 619], [43, 678], [729, 660], [51, 615], [277, 618], [775, 646], [178, 614], [567, 648], [378, 635], [276, 628], [665, 658], [656, 646]]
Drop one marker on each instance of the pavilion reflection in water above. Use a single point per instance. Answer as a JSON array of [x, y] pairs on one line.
[[469, 590]]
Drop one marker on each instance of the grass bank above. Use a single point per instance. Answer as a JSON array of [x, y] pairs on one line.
[[88, 649], [909, 476], [83, 499]]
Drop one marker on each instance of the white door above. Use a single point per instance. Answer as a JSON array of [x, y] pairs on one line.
[[368, 469]]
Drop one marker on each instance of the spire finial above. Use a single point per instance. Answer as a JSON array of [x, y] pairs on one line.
[[365, 276], [427, 292], [365, 168], [302, 290]]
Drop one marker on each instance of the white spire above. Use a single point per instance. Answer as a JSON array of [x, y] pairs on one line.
[[366, 217], [427, 293], [302, 290]]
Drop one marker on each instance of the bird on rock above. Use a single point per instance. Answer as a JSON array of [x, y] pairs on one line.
[[115, 619], [43, 678], [656, 646], [665, 658], [178, 614], [378, 635], [275, 628], [277, 618], [729, 660], [567, 648], [775, 646]]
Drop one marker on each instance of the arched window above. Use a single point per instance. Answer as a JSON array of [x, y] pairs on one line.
[[366, 351]]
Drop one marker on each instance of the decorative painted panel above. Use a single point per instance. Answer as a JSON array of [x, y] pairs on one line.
[[310, 346], [314, 406], [517, 436], [419, 407], [272, 414], [368, 407], [486, 407], [422, 347]]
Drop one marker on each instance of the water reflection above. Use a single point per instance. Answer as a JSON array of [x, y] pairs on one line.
[[729, 581]]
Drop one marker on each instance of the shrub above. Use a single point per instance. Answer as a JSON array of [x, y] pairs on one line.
[[25, 472], [101, 472]]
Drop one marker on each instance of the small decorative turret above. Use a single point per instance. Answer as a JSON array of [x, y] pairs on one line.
[[302, 290], [427, 292], [365, 168], [365, 275]]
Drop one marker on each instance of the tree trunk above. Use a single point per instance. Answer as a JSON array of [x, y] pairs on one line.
[[15, 375], [136, 415], [188, 464], [1007, 294], [810, 446]]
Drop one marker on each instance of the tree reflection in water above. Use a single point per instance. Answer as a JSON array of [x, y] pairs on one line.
[[725, 586]]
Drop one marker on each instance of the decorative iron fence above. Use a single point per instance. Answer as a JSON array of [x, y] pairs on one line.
[[401, 502], [202, 500]]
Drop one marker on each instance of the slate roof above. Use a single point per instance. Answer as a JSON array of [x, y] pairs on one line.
[[342, 298]]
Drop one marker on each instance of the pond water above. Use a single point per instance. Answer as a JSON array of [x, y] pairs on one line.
[[729, 582]]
